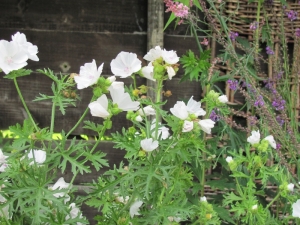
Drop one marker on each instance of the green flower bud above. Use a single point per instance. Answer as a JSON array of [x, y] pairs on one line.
[[263, 146], [97, 92]]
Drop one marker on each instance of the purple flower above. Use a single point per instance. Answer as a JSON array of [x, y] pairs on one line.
[[269, 51], [252, 120], [278, 104], [214, 116], [279, 74], [297, 32], [233, 35], [232, 84], [259, 101], [278, 146], [279, 120], [292, 15], [254, 25]]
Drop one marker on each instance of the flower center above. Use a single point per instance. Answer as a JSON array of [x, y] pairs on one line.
[[8, 60]]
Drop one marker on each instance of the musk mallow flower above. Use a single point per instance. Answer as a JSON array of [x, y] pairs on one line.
[[147, 72], [134, 208], [171, 72], [170, 57], [61, 184], [296, 209], [229, 159], [75, 212], [153, 54], [290, 187], [194, 107], [203, 199], [125, 64], [271, 141], [180, 110], [206, 125], [99, 107], [123, 99], [187, 126], [39, 156], [3, 162], [223, 99], [148, 144], [147, 111], [4, 212], [30, 49], [88, 75], [162, 132], [254, 138], [12, 57]]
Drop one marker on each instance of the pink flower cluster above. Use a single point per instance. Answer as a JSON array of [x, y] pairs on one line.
[[180, 10]]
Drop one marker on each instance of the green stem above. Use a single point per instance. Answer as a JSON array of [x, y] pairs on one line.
[[24, 104], [274, 199], [78, 122], [99, 138], [158, 98], [197, 40], [257, 30], [134, 81], [52, 118]]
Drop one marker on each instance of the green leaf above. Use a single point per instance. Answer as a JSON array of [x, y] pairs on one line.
[[18, 73], [171, 18], [224, 214]]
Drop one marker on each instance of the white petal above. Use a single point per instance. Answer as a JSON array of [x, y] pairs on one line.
[[134, 208], [99, 107], [206, 125], [153, 54]]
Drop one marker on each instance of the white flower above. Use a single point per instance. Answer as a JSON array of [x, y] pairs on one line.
[[3, 162], [4, 212], [254, 138], [170, 57], [223, 99], [125, 64], [296, 209], [88, 75], [171, 72], [180, 110], [11, 56], [122, 200], [203, 199], [61, 184], [38, 155], [134, 208], [229, 159], [123, 100], [194, 107], [162, 132], [290, 187], [147, 111], [206, 125], [271, 141], [30, 49], [138, 118], [147, 72], [75, 212], [254, 207], [187, 126], [111, 79], [99, 107], [153, 54], [148, 144]]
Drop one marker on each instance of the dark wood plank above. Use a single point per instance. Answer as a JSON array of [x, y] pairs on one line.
[[77, 15], [76, 48]]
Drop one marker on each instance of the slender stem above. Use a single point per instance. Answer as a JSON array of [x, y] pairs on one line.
[[196, 37], [274, 199], [257, 30], [134, 81], [158, 98], [78, 122], [52, 118], [99, 138], [24, 104]]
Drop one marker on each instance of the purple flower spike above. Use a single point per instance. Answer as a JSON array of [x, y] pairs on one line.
[[292, 15], [269, 51], [233, 35], [232, 84]]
